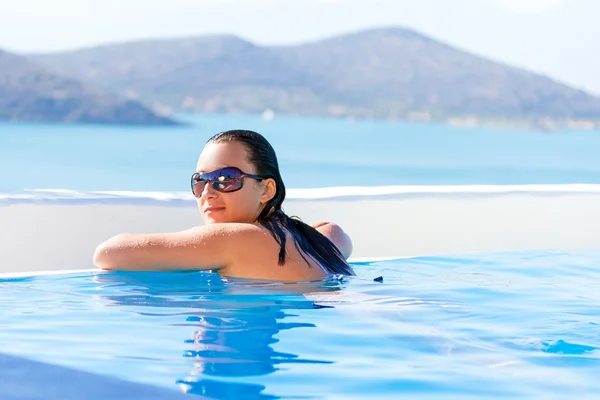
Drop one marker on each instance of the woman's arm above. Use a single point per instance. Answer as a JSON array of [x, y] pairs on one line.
[[204, 247], [337, 236]]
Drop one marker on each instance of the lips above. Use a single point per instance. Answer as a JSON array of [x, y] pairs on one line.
[[213, 209]]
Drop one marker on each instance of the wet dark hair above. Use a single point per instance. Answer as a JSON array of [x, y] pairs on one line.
[[307, 239]]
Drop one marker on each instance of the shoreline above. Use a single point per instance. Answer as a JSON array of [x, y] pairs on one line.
[[63, 236]]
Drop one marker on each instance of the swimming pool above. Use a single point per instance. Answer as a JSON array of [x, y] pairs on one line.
[[496, 325]]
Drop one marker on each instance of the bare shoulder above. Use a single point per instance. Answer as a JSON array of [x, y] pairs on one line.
[[257, 257], [231, 230], [229, 236]]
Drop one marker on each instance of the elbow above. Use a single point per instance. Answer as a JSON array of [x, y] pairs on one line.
[[106, 254], [102, 258], [340, 239], [346, 247], [344, 242]]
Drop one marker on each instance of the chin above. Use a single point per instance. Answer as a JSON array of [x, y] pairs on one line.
[[210, 220], [215, 219]]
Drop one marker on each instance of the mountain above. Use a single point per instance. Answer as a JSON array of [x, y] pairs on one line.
[[391, 73], [31, 92]]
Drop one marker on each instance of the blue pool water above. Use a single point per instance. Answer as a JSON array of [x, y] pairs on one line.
[[502, 325], [313, 153]]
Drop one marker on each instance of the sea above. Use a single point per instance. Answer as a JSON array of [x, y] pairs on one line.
[[312, 153]]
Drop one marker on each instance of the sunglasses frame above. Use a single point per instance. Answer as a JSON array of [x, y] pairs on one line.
[[197, 178]]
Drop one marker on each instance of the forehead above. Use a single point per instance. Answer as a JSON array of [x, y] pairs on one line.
[[219, 155]]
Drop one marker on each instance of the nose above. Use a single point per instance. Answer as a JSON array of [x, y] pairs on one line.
[[208, 192]]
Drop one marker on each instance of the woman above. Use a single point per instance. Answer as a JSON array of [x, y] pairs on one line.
[[239, 192]]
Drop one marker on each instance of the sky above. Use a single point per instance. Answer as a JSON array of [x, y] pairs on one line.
[[558, 38]]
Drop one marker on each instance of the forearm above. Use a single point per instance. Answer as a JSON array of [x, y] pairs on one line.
[[191, 249]]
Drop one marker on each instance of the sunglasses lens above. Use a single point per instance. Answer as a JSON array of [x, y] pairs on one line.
[[197, 185], [226, 179], [227, 185], [223, 180]]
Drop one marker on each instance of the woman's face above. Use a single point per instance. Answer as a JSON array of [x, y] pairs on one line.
[[243, 205]]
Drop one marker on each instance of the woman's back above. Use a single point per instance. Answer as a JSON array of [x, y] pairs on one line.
[[256, 257]]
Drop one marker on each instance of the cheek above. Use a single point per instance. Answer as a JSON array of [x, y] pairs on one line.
[[243, 204], [255, 192]]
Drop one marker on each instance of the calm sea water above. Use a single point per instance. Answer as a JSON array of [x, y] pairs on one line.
[[507, 325], [313, 153]]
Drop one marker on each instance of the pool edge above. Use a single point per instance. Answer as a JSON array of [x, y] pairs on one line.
[[25, 274]]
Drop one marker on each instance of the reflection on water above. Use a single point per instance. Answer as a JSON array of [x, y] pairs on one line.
[[510, 325], [232, 324]]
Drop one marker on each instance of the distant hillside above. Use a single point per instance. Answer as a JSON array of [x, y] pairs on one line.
[[31, 92], [384, 73]]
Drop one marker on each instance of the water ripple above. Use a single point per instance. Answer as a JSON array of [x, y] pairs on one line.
[[501, 325]]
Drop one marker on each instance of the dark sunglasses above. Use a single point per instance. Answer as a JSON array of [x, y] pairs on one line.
[[224, 180]]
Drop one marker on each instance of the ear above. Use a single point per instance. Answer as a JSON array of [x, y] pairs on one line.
[[269, 190]]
